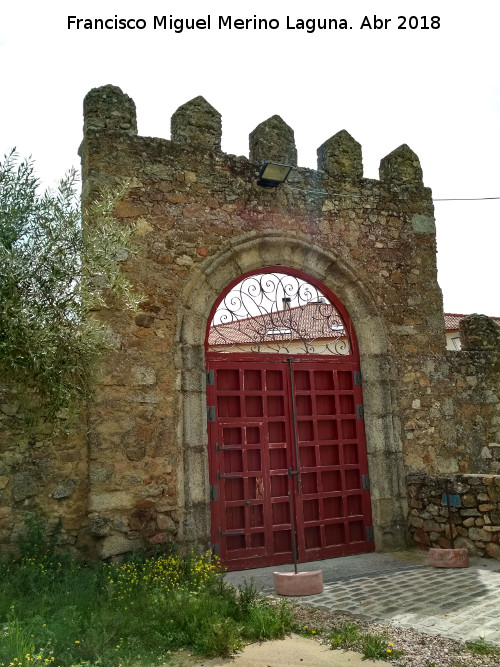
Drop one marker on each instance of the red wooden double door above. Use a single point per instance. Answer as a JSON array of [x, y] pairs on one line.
[[287, 451]]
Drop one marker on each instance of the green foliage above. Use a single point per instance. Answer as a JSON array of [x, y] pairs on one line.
[[482, 647], [51, 277], [378, 647], [373, 646], [345, 636], [39, 541], [309, 631], [66, 613], [267, 621]]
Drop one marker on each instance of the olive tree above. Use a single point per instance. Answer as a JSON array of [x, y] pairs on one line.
[[51, 277]]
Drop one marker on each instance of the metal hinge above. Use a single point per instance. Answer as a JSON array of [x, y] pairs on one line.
[[357, 377], [214, 493], [365, 482], [210, 413], [369, 533], [360, 411], [210, 378]]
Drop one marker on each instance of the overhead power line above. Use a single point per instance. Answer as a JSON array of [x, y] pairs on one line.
[[466, 199], [363, 196]]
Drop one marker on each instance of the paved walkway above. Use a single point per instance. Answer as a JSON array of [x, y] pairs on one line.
[[402, 590]]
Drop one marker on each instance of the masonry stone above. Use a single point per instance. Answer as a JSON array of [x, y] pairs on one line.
[[273, 140], [64, 488], [197, 123], [401, 165], [340, 157], [479, 332]]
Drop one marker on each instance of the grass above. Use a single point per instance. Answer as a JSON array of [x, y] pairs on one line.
[[482, 647], [373, 646], [55, 611], [345, 636]]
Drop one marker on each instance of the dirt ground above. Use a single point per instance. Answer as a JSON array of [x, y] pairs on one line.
[[293, 651]]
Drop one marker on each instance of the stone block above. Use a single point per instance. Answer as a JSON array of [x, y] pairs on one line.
[[423, 224], [479, 332], [196, 471], [273, 140], [24, 486], [421, 538], [99, 526], [108, 108], [195, 425], [115, 545], [493, 550], [340, 157], [64, 488], [479, 534], [197, 123], [110, 500], [431, 526], [165, 523], [401, 165], [486, 507]]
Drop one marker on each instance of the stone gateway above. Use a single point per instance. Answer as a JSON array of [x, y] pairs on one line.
[[370, 450]]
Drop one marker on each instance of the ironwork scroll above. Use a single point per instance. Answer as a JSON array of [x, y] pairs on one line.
[[276, 312]]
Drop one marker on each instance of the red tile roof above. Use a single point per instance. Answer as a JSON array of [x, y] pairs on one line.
[[312, 321]]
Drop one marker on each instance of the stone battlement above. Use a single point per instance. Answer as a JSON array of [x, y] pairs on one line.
[[196, 125]]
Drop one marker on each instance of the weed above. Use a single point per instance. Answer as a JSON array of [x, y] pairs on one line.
[[345, 636], [64, 613], [308, 631], [482, 647], [372, 646], [378, 647], [265, 620], [39, 540]]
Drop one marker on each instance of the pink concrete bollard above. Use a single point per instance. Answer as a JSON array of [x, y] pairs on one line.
[[301, 583], [448, 557]]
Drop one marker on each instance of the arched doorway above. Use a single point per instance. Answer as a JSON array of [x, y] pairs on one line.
[[286, 437]]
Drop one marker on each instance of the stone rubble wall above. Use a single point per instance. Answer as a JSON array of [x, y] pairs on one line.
[[475, 513], [44, 476], [450, 410]]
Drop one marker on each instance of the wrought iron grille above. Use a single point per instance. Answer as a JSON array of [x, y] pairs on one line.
[[275, 312]]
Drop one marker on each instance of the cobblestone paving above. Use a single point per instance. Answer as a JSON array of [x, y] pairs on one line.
[[458, 603], [403, 590]]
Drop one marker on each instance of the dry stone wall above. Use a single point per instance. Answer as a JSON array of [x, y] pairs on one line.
[[474, 512]]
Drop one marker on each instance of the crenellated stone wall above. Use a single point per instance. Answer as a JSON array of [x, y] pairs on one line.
[[200, 222]]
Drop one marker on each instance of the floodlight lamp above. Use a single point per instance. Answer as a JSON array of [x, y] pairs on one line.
[[273, 174]]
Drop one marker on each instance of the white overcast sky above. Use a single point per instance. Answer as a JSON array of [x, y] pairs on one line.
[[436, 90]]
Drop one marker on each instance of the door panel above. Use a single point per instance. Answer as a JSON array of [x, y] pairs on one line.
[[332, 507], [252, 457]]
